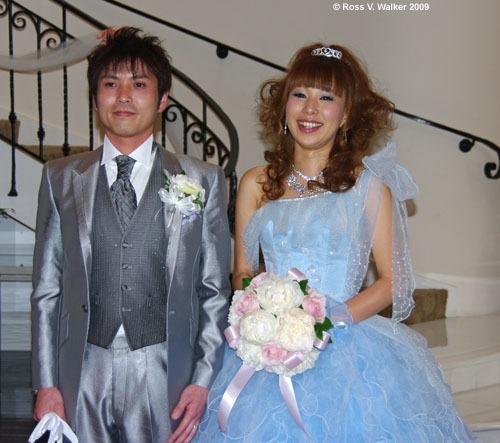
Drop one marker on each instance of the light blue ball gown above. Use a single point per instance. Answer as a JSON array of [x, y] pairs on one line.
[[378, 381]]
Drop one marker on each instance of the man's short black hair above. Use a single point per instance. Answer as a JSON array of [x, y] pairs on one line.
[[125, 48]]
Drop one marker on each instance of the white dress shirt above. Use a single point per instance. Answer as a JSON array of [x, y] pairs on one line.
[[144, 157]]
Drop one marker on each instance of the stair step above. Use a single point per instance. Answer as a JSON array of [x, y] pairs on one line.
[[469, 354], [51, 152], [430, 304], [6, 128], [481, 406], [481, 410]]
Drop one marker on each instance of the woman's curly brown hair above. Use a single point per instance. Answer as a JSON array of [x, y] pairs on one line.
[[367, 114]]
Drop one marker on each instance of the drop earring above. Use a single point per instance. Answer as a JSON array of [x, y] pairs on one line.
[[285, 128], [346, 137]]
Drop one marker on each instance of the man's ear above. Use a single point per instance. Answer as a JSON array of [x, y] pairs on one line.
[[94, 104], [163, 102]]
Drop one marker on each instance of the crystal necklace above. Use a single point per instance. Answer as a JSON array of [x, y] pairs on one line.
[[303, 190], [304, 176]]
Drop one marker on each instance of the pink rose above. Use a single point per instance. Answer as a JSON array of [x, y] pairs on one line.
[[315, 304], [260, 278], [272, 355], [246, 303]]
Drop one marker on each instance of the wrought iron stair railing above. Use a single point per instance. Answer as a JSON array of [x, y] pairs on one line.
[[195, 126], [491, 169]]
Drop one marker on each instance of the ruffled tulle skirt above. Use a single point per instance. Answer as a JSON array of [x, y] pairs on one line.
[[375, 383]]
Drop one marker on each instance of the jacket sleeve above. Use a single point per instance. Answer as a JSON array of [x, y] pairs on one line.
[[47, 287], [213, 285]]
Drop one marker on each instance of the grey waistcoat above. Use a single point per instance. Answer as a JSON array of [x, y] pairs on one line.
[[128, 268]]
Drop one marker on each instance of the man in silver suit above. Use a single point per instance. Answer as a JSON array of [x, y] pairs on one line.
[[130, 288]]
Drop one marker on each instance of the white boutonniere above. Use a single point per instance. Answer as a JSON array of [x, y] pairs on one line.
[[184, 193]]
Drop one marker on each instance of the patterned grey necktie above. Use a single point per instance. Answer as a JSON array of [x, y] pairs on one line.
[[122, 191]]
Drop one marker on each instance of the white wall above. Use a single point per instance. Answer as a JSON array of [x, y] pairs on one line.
[[29, 173], [441, 64]]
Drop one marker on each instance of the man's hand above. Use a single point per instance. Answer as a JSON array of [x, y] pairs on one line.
[[193, 401], [49, 400]]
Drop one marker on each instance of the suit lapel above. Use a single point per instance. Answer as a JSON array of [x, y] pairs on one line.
[[84, 178], [172, 218], [169, 161]]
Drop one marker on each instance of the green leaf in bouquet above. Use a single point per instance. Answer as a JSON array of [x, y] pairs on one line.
[[199, 202], [327, 324], [246, 282], [167, 181], [320, 327], [303, 286]]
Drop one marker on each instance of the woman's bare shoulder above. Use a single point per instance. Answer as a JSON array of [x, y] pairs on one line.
[[251, 184], [253, 179], [255, 175]]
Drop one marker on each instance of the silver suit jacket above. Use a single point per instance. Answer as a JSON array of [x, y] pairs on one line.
[[197, 271]]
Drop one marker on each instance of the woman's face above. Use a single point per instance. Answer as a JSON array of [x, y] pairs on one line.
[[313, 117]]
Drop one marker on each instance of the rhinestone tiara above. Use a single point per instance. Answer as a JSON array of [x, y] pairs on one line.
[[327, 52]]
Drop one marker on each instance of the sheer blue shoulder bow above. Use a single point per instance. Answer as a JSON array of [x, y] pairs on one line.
[[399, 180]]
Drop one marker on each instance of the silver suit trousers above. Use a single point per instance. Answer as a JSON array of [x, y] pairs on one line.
[[123, 394]]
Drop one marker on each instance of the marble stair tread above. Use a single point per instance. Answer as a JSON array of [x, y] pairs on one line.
[[467, 337], [481, 410], [469, 354], [483, 400]]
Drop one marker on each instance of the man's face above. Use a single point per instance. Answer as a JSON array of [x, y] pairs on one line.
[[127, 105]]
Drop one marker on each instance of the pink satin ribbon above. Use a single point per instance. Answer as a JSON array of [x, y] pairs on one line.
[[296, 274], [321, 344], [231, 394], [293, 359], [286, 388], [232, 334]]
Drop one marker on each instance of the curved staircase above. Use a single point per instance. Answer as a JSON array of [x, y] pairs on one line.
[[468, 349]]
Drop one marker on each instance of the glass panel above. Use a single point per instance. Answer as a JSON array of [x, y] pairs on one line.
[[16, 243], [16, 260]]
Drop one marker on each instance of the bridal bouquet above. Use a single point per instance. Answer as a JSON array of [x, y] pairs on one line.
[[278, 323]]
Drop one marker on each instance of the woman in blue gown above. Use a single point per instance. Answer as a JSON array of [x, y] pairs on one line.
[[322, 206]]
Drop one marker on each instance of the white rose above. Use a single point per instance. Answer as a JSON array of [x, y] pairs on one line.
[[250, 354], [188, 186], [296, 330], [308, 363], [279, 295], [233, 317], [258, 326]]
